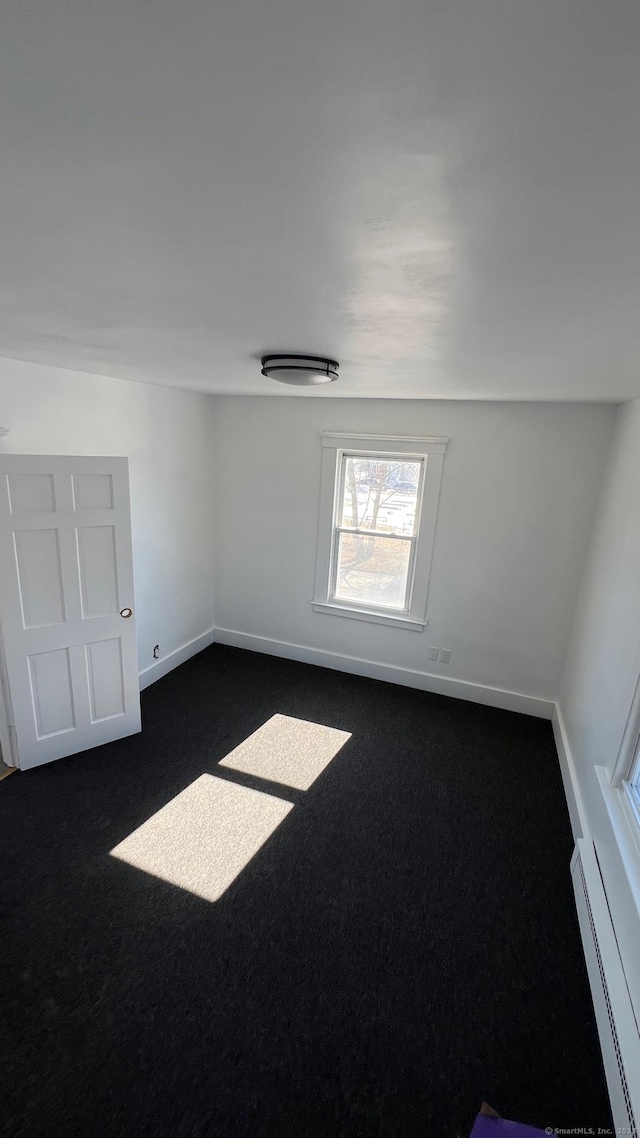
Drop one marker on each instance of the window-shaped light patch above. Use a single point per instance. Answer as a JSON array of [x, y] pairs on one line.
[[292, 752], [204, 837]]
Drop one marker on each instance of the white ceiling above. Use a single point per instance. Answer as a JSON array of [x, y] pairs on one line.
[[442, 194]]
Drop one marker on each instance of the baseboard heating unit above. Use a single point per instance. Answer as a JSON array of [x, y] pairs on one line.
[[617, 1024]]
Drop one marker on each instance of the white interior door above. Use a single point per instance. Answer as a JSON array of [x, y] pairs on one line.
[[66, 604]]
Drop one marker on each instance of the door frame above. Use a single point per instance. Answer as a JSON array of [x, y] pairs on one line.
[[10, 755]]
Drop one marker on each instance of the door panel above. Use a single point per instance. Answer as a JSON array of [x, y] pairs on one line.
[[31, 493], [51, 692], [106, 679], [66, 572], [37, 553], [98, 570], [93, 491]]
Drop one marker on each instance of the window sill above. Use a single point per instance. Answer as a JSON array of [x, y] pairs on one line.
[[369, 615], [626, 829]]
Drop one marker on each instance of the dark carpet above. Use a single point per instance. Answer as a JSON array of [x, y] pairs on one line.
[[402, 947]]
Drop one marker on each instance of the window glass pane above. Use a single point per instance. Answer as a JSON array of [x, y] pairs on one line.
[[379, 494], [372, 570]]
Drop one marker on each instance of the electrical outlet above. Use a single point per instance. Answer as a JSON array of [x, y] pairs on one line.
[[156, 652], [445, 655], [433, 653]]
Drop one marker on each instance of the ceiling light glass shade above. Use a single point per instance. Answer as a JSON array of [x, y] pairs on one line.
[[303, 371]]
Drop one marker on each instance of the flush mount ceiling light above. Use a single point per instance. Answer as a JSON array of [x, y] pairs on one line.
[[304, 371]]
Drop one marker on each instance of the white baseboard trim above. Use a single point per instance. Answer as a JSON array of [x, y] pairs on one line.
[[167, 663], [391, 673], [575, 803]]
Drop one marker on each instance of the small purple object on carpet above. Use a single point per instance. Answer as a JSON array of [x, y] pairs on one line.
[[489, 1125]]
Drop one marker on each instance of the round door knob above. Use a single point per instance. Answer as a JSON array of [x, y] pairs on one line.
[[126, 612]]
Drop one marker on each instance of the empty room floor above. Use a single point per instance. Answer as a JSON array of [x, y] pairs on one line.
[[391, 939]]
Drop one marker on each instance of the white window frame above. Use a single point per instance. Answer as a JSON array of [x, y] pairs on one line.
[[621, 795], [430, 451], [632, 785], [626, 772]]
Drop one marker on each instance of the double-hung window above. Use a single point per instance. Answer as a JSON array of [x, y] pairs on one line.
[[379, 501]]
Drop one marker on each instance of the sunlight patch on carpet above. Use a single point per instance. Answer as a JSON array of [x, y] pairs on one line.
[[205, 836], [292, 752]]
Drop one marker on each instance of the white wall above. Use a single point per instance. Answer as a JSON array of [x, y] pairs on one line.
[[602, 669], [519, 492], [166, 434], [603, 661]]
